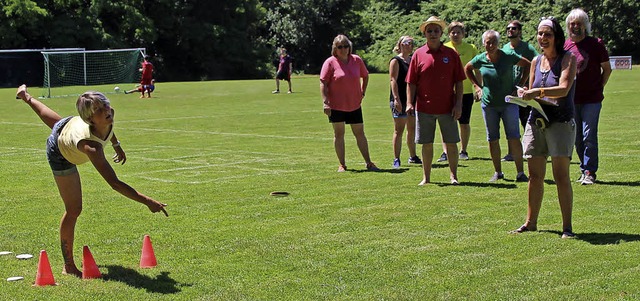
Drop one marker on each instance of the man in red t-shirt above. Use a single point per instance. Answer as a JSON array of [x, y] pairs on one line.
[[147, 74], [434, 91]]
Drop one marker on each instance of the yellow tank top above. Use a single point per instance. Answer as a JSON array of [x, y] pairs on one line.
[[72, 133]]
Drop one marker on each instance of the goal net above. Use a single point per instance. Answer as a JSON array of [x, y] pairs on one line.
[[89, 68]]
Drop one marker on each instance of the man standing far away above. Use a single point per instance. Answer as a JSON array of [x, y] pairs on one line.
[[593, 73], [147, 74], [285, 66], [526, 50], [434, 92]]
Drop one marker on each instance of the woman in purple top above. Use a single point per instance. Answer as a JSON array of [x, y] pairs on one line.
[[551, 80]]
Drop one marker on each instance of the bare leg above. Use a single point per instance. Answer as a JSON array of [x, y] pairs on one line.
[[338, 141], [361, 140], [452, 150], [48, 116], [399, 125], [289, 82], [560, 166], [537, 169], [277, 84], [494, 149], [427, 159], [71, 193], [411, 135], [516, 151], [465, 134]]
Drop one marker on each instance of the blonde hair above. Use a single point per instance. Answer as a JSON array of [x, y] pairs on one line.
[[340, 40], [89, 102], [455, 24], [397, 48]]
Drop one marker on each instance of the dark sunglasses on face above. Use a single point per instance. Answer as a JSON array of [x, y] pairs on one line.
[[512, 28], [342, 46], [551, 18], [407, 43]]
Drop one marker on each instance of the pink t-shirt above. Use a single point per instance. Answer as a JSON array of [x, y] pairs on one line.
[[343, 82], [435, 73]]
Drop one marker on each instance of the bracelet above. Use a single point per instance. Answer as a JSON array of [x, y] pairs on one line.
[[541, 92], [116, 144]]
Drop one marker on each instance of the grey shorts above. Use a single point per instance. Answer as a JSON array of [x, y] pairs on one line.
[[59, 165], [556, 139], [426, 128]]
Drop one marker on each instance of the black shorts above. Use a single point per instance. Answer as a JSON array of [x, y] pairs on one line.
[[352, 117], [282, 74], [467, 105]]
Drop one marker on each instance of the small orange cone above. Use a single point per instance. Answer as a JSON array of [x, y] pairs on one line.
[[148, 258], [44, 276], [89, 266]]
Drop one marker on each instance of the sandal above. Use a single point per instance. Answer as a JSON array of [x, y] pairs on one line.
[[522, 229]]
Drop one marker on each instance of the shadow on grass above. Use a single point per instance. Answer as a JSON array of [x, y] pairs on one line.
[[618, 183], [385, 170], [602, 238], [162, 284], [483, 184]]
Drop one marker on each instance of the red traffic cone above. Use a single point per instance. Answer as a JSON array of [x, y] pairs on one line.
[[44, 276], [148, 258], [89, 266]]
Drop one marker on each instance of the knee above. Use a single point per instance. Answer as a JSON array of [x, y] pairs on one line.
[[74, 212]]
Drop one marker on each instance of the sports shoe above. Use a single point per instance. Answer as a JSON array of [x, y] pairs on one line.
[[342, 168], [442, 158], [579, 180], [464, 155], [372, 167], [396, 163], [589, 178], [521, 177], [289, 92], [497, 176], [275, 91], [415, 160], [568, 234], [508, 157]]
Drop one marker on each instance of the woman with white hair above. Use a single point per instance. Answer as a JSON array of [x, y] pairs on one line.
[[496, 67]]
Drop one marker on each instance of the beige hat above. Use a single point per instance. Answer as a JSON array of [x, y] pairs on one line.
[[433, 20]]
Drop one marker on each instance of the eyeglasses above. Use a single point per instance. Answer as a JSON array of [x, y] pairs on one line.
[[342, 46], [512, 28], [550, 18], [408, 43]]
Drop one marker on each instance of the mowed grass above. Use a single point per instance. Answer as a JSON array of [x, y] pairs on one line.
[[215, 150]]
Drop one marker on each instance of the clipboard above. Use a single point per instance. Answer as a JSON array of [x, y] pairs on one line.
[[532, 103]]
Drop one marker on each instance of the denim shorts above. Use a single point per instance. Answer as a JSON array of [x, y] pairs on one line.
[[59, 165], [509, 114]]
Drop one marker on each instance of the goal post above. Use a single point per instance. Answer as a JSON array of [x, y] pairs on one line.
[[89, 68]]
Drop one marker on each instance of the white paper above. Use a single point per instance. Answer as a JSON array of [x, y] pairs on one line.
[[532, 103]]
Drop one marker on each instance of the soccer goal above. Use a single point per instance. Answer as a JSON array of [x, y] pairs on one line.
[[89, 68]]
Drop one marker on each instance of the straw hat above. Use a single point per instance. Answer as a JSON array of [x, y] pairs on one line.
[[433, 20]]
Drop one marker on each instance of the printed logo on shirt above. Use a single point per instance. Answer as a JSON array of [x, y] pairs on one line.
[[445, 60]]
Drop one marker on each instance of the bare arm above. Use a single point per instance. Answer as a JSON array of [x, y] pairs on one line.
[[457, 108], [394, 69], [567, 76], [324, 92], [606, 72], [95, 152], [526, 65], [411, 96], [47, 115], [471, 74], [365, 83]]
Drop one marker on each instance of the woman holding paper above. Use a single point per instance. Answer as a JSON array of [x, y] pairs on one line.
[[551, 79], [496, 67]]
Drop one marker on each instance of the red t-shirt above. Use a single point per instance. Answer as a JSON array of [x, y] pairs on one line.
[[435, 73], [147, 73], [590, 53], [343, 82]]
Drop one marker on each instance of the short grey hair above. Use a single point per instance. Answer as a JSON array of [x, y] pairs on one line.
[[490, 32], [89, 102], [580, 15]]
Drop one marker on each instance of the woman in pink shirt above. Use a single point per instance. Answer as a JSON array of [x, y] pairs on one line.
[[342, 92]]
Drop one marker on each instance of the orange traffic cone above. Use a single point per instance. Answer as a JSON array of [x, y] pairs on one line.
[[148, 258], [44, 276], [89, 267]]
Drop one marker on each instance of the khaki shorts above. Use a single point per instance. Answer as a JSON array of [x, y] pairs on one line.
[[426, 128], [555, 139]]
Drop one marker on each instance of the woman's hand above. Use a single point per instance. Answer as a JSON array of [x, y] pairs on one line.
[[397, 106], [155, 206], [120, 156], [477, 96]]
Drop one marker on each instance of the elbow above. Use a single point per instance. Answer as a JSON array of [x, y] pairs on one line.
[[117, 185]]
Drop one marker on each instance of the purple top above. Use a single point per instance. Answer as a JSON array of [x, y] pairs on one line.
[[550, 78]]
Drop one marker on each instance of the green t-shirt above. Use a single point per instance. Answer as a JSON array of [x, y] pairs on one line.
[[497, 78], [525, 50], [467, 52]]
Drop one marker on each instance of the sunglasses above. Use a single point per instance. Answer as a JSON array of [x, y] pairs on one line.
[[550, 18], [434, 31], [512, 28], [342, 46], [408, 43]]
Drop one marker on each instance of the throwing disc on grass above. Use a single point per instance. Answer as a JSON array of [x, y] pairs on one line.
[[5, 253], [15, 278], [24, 256], [279, 193]]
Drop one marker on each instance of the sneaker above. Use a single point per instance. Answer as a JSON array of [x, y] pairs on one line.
[[415, 160], [289, 92], [442, 158], [342, 168], [275, 91], [568, 234], [126, 92], [508, 157], [521, 177], [497, 176], [579, 180], [396, 163], [372, 167], [464, 155], [589, 178]]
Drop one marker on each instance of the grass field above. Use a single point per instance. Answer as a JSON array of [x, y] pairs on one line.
[[215, 150]]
